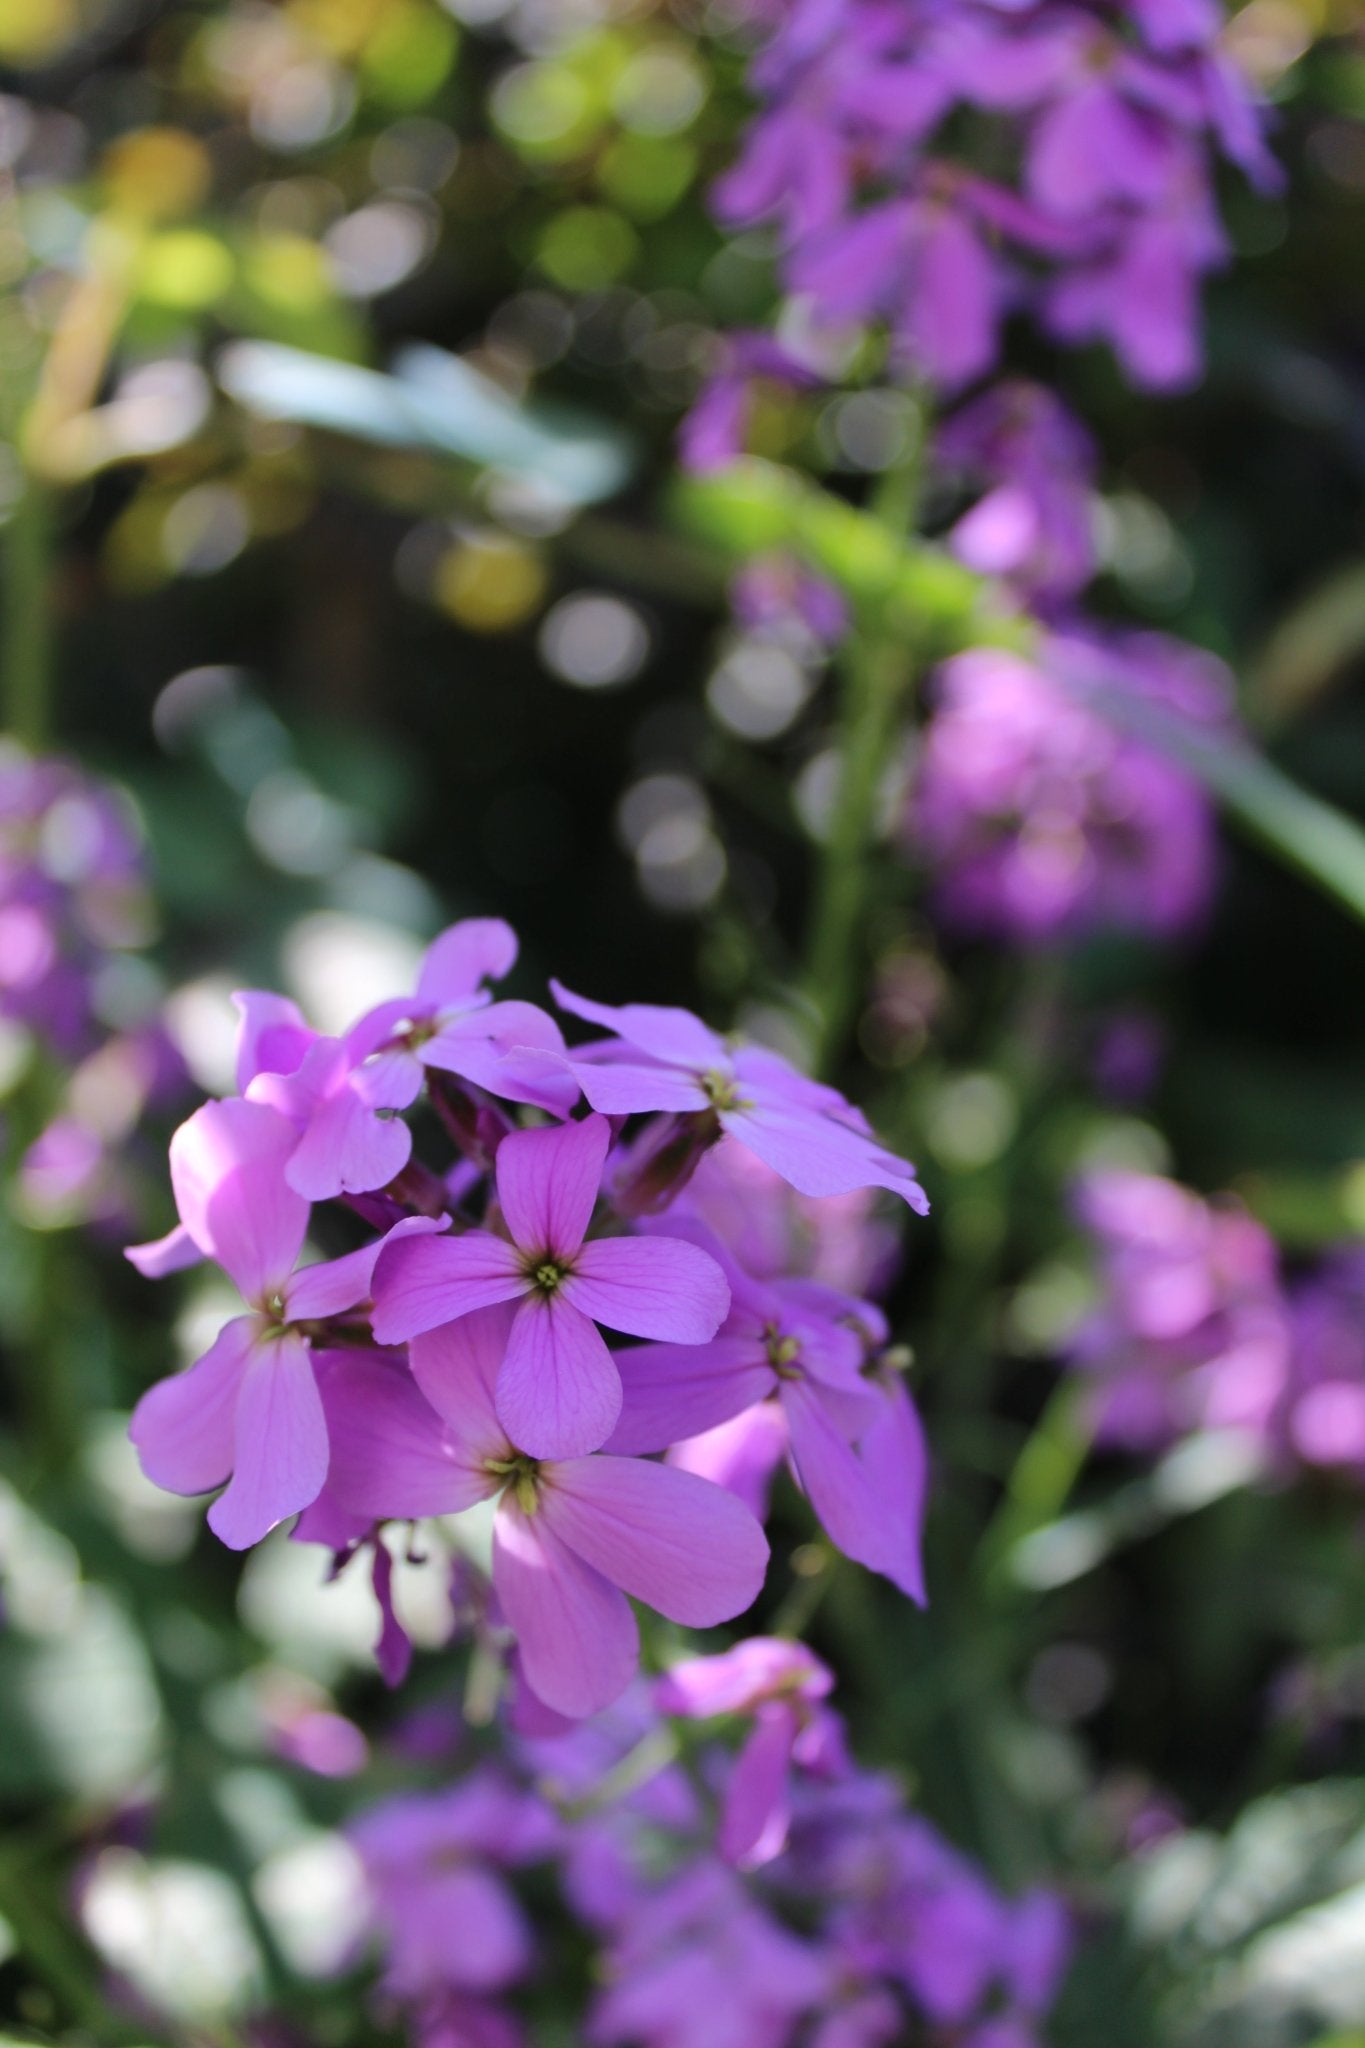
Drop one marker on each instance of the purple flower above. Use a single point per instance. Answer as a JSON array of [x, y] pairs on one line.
[[780, 1685], [341, 1093], [1191, 1330], [1114, 118], [1039, 818], [700, 1965], [559, 1392], [1034, 524], [803, 1344], [571, 1537], [446, 1916], [249, 1408], [1324, 1412], [667, 1059], [713, 434]]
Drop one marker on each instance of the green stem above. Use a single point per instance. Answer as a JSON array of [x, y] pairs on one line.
[[878, 667], [55, 1956], [1040, 1485], [26, 623]]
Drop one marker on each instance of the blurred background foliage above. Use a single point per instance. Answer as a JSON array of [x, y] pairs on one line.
[[349, 339]]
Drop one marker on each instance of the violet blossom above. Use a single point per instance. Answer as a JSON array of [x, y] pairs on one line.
[[571, 1537], [249, 1409], [1040, 819], [559, 1391], [667, 1059]]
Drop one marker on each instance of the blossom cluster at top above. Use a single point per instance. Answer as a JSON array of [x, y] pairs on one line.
[[937, 164], [74, 901], [1196, 1328], [1041, 819], [707, 1200], [742, 1883]]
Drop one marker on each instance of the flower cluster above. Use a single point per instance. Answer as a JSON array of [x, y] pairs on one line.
[[814, 1908], [453, 1359], [74, 902], [1041, 819], [1196, 1328], [1104, 120]]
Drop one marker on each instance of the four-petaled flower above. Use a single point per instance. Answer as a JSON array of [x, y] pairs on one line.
[[558, 1390]]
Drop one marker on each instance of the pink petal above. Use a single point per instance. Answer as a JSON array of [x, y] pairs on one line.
[[559, 1392], [425, 1281], [183, 1426], [457, 1367], [338, 1284], [477, 949], [818, 1156], [168, 1254], [674, 1391], [348, 1149], [577, 1636], [548, 1183], [674, 1036], [393, 1649], [621, 1087], [482, 1046], [740, 1455], [392, 1457], [227, 1169], [273, 1038], [650, 1287], [756, 1815], [843, 1493], [676, 1542], [895, 1457], [281, 1450]]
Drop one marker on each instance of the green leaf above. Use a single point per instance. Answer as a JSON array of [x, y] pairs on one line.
[[435, 401]]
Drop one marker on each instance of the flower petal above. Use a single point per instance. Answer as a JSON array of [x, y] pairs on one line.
[[621, 1087], [817, 1155], [422, 1282], [650, 1287], [183, 1426], [755, 1816], [457, 1367], [348, 1148], [281, 1448], [895, 1456], [559, 1392], [392, 1457], [674, 1391], [681, 1545], [475, 950], [844, 1493], [273, 1035], [337, 1284], [548, 1182], [577, 1636], [489, 1048], [163, 1255], [227, 1169], [672, 1035]]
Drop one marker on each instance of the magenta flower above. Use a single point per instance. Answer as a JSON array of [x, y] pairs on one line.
[[668, 1059], [797, 1343], [571, 1537], [1191, 1330], [249, 1408], [342, 1093], [1040, 818], [780, 1685], [559, 1392], [447, 1918]]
